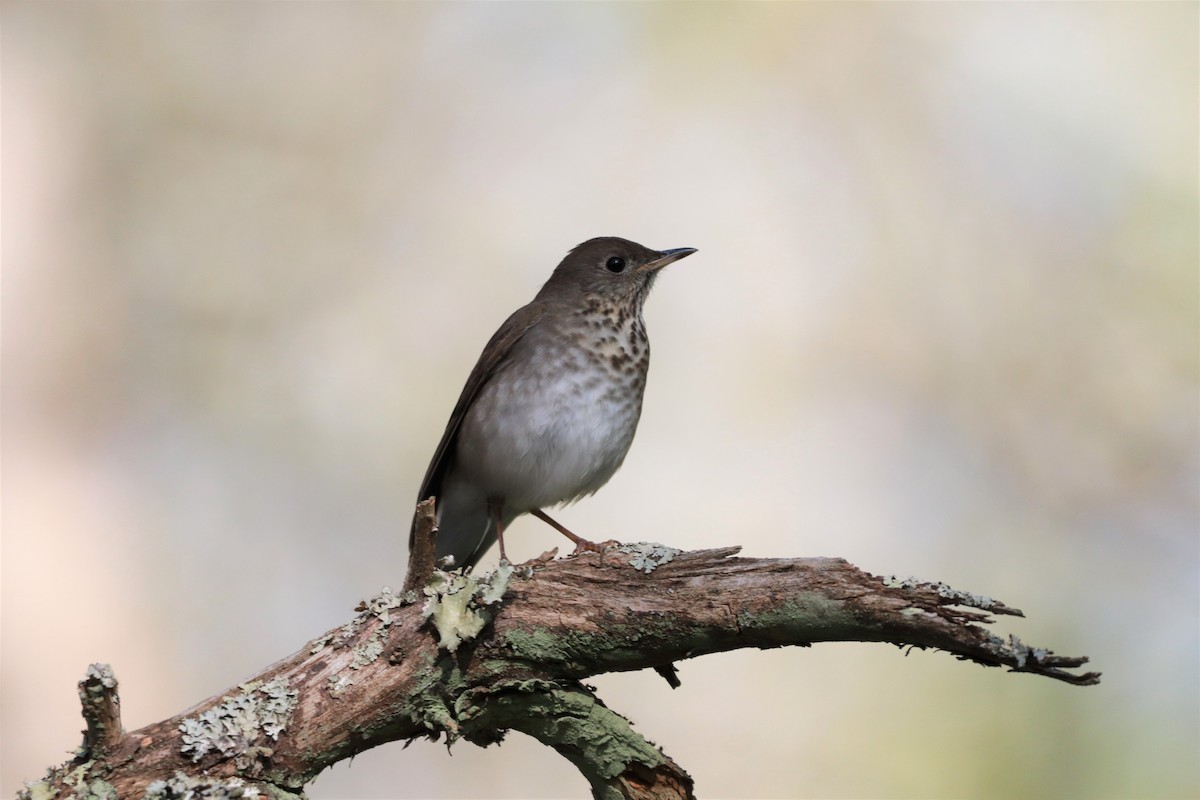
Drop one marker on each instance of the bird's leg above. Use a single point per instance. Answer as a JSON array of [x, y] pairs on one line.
[[581, 544], [496, 509]]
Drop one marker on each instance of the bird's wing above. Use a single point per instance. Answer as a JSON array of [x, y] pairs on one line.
[[494, 356]]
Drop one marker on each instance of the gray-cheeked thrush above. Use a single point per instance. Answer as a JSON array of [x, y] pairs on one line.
[[549, 411]]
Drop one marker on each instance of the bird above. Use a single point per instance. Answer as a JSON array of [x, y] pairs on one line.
[[548, 413]]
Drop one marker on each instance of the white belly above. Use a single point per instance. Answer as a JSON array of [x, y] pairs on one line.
[[551, 435]]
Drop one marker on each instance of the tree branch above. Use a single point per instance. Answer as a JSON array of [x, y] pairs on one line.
[[101, 711], [473, 656]]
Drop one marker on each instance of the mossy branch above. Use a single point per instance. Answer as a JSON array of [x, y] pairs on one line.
[[471, 657]]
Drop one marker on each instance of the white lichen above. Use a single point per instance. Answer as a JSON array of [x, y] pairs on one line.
[[648, 556], [377, 612], [367, 652], [184, 787], [949, 593], [459, 605], [234, 726], [380, 605], [337, 683], [82, 785]]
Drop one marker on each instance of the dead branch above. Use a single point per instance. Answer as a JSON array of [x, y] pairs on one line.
[[474, 656]]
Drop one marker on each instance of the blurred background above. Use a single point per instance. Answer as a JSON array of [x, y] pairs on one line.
[[943, 322]]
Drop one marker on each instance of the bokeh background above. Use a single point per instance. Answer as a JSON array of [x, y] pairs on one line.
[[943, 322]]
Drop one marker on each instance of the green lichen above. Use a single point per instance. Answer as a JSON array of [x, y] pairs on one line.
[[379, 608], [628, 642], [427, 705], [599, 650], [461, 605], [76, 779], [648, 556], [451, 611], [432, 713], [347, 631], [595, 738], [808, 615], [367, 652], [99, 790], [493, 585], [539, 645], [336, 684], [79, 780], [276, 706], [381, 605], [42, 790], [236, 725]]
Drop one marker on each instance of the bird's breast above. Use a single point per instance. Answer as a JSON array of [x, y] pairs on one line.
[[557, 419]]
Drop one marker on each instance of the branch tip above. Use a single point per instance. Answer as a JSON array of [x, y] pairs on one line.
[[101, 708], [422, 545]]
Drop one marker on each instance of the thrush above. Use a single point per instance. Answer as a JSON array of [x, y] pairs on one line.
[[549, 411]]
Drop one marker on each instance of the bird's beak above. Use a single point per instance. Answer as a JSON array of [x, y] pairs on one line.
[[666, 257]]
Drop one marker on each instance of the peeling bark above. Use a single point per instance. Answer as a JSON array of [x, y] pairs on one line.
[[474, 658]]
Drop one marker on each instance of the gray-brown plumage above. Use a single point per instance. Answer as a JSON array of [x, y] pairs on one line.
[[549, 411]]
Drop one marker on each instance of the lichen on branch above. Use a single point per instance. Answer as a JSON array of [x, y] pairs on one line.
[[471, 656]]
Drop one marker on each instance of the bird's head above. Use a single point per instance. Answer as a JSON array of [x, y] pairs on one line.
[[611, 270]]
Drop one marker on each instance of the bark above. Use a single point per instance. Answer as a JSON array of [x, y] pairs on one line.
[[471, 657]]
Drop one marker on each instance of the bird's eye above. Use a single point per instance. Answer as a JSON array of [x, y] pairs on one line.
[[615, 264]]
